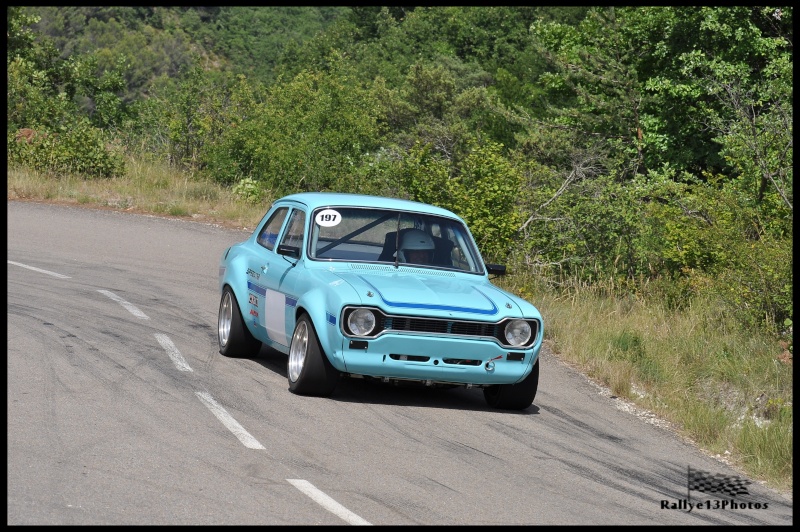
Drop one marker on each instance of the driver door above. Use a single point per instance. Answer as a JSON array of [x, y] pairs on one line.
[[278, 280]]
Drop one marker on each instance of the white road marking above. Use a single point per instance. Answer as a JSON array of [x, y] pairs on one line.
[[326, 502], [230, 423], [39, 270], [173, 352], [132, 309]]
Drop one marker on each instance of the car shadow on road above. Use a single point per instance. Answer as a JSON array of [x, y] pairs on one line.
[[373, 391]]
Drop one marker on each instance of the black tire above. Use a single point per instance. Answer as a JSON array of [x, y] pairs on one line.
[[514, 396], [235, 340], [308, 369]]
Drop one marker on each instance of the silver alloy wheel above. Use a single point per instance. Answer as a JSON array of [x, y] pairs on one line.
[[298, 350], [225, 319]]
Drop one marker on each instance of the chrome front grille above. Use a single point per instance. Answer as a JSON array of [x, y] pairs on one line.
[[423, 325]]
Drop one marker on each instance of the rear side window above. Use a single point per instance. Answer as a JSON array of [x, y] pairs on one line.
[[269, 235]]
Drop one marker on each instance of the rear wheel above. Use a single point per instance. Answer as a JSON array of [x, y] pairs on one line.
[[514, 396], [309, 371], [235, 339]]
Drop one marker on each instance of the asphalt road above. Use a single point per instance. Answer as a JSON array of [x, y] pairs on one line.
[[121, 411]]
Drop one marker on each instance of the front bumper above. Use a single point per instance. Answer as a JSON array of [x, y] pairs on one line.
[[437, 360]]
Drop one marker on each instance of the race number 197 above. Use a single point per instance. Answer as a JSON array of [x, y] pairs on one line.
[[327, 218]]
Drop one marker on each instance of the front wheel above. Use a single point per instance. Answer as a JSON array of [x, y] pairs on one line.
[[309, 371], [514, 396], [234, 338]]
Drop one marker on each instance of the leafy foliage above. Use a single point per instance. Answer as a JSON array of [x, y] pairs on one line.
[[80, 149], [43, 94], [308, 134]]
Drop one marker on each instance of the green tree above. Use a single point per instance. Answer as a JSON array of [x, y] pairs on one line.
[[594, 88], [483, 189], [752, 118], [311, 133], [41, 95]]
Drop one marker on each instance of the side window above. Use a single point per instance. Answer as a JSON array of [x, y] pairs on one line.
[[269, 235], [295, 229]]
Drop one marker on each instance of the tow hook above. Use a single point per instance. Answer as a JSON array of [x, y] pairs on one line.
[[490, 363]]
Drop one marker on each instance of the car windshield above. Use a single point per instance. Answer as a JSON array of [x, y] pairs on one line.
[[355, 234]]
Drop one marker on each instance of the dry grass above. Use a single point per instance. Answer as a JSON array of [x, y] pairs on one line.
[[726, 389], [152, 188]]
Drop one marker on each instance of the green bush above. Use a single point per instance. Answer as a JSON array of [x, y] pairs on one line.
[[483, 189], [248, 190], [80, 149], [313, 132]]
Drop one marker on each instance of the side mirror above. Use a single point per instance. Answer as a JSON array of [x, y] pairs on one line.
[[289, 251], [496, 269]]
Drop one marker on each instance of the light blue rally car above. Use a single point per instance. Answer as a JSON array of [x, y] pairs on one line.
[[369, 287]]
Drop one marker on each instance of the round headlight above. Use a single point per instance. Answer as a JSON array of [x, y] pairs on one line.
[[361, 322], [518, 332]]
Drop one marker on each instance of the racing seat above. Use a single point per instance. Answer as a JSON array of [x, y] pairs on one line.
[[442, 254]]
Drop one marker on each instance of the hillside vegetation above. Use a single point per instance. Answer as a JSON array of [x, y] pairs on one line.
[[633, 166]]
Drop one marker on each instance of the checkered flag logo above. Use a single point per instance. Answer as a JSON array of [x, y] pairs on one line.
[[717, 483]]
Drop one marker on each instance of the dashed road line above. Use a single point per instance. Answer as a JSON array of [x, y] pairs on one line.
[[54, 274], [231, 424], [327, 502], [173, 352], [130, 307]]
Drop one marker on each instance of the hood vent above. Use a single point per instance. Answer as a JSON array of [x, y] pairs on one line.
[[377, 268]]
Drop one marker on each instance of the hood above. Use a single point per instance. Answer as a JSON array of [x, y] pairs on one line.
[[435, 294]]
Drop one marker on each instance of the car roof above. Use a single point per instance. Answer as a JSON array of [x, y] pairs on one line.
[[314, 200]]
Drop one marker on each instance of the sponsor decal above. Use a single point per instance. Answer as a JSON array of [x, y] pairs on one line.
[[253, 300], [254, 274], [253, 312], [258, 289]]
